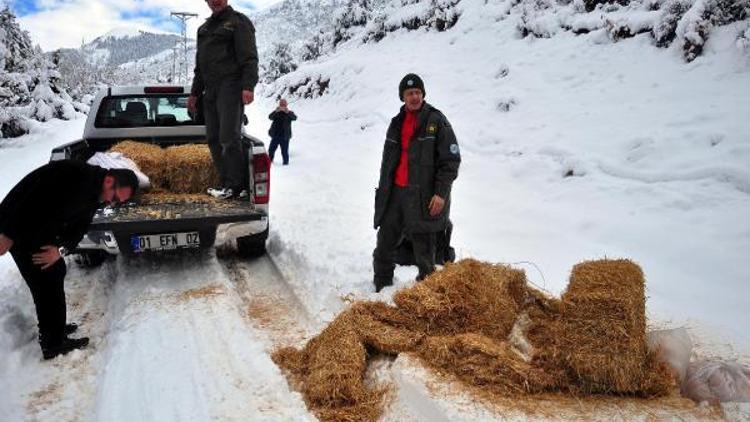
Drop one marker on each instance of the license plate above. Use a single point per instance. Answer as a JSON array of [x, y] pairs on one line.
[[162, 242]]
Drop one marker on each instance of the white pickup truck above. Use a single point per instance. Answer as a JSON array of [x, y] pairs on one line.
[[159, 115]]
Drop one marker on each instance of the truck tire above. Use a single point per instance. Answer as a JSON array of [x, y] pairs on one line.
[[252, 246], [91, 259]]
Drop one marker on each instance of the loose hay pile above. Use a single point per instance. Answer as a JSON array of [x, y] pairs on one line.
[[182, 169], [458, 322]]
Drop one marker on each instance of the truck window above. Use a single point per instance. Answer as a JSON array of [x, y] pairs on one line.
[[143, 111]]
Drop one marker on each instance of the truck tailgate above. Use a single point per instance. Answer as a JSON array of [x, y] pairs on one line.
[[165, 217]]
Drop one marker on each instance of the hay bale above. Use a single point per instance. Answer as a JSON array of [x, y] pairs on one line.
[[150, 159], [601, 335], [481, 361], [190, 168], [468, 296]]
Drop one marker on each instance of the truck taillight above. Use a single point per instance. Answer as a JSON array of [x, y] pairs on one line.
[[262, 178]]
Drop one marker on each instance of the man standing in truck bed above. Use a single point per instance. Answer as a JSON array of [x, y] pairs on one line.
[[226, 71]]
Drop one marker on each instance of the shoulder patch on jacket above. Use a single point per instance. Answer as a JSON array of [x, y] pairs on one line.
[[454, 149]]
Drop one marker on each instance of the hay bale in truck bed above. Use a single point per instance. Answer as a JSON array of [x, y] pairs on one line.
[[190, 169], [150, 158]]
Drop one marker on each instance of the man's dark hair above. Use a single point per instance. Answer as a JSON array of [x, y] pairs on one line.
[[125, 178]]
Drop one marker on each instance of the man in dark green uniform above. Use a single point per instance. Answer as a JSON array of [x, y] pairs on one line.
[[420, 162], [226, 71]]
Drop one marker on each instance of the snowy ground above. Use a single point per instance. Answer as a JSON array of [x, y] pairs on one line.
[[658, 150]]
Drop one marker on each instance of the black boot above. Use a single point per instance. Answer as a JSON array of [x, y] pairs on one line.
[[67, 345], [381, 283], [71, 328]]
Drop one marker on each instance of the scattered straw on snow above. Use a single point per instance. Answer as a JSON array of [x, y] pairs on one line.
[[458, 322]]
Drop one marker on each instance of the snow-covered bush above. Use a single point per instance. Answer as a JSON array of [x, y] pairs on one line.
[[439, 15], [728, 11], [372, 20], [689, 22], [743, 41], [317, 46], [664, 31], [299, 85], [279, 63], [354, 15], [694, 27], [537, 18], [30, 85], [632, 23]]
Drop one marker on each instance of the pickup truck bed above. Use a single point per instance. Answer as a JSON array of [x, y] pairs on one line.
[[139, 217], [157, 116]]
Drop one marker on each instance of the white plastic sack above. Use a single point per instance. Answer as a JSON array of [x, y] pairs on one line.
[[673, 347], [715, 381], [115, 160]]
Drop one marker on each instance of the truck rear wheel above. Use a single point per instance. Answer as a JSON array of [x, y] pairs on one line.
[[252, 246]]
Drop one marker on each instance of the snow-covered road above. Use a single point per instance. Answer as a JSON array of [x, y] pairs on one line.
[[171, 341]]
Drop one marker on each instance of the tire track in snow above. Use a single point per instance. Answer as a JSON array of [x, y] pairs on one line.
[[178, 348], [173, 339], [270, 303]]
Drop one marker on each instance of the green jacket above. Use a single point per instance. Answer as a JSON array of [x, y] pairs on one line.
[[434, 158], [225, 51]]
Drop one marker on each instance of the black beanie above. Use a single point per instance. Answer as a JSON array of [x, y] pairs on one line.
[[410, 81]]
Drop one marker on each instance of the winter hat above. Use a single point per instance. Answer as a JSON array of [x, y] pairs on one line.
[[410, 81]]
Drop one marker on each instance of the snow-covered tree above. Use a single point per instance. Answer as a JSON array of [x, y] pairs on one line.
[[30, 84], [279, 63]]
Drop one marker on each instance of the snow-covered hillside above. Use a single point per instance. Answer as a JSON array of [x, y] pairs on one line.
[[574, 147]]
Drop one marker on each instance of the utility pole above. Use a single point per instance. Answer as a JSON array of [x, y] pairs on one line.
[[173, 79], [184, 17]]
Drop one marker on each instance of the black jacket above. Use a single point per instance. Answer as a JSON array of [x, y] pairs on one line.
[[282, 124], [52, 205], [434, 158], [225, 50]]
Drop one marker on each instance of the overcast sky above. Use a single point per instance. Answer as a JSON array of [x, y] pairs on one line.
[[65, 23]]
